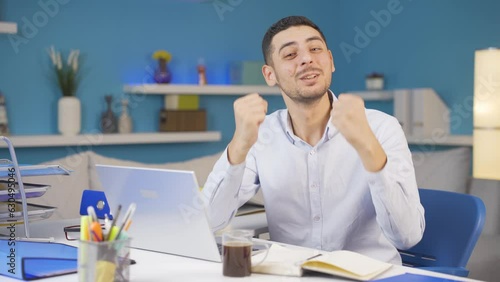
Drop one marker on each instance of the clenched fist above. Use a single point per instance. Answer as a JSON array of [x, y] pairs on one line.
[[249, 112], [349, 117]]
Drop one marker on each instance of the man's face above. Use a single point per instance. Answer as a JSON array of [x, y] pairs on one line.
[[301, 64]]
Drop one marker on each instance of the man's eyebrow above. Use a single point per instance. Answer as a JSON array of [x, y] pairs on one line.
[[312, 38], [286, 45]]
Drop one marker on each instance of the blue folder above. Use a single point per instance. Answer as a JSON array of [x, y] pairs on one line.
[[410, 277], [34, 260]]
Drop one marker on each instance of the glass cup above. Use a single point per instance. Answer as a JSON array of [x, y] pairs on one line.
[[103, 261], [237, 248]]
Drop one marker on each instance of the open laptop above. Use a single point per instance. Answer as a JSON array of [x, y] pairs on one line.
[[169, 218]]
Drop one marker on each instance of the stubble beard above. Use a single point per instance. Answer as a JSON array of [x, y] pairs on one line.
[[304, 97]]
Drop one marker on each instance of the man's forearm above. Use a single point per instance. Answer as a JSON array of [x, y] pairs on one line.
[[372, 155]]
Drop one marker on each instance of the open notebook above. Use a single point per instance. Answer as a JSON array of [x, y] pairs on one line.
[[294, 262]]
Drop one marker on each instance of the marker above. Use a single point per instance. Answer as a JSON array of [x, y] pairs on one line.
[[84, 228], [96, 231], [112, 235]]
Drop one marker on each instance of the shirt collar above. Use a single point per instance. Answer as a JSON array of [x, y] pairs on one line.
[[330, 130]]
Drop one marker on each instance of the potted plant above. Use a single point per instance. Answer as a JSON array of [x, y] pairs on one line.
[[67, 75]]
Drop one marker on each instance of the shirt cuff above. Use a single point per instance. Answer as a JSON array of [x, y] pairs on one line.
[[230, 169]]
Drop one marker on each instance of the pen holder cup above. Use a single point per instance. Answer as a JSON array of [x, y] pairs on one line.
[[105, 261]]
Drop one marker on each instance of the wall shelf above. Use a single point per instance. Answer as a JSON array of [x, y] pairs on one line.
[[35, 141], [190, 89], [448, 140], [186, 89], [375, 95], [7, 27]]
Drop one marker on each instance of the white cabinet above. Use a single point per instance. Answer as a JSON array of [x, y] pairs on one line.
[[7, 27], [421, 112]]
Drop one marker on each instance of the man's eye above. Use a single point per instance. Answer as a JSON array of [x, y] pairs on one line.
[[316, 49], [291, 55]]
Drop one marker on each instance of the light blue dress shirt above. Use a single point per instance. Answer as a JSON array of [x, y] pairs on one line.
[[321, 196]]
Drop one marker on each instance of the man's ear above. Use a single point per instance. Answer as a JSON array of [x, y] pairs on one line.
[[269, 75], [333, 63]]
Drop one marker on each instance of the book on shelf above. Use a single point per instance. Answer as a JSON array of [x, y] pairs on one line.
[[290, 261]]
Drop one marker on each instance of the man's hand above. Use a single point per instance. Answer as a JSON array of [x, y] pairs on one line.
[[349, 117], [249, 113]]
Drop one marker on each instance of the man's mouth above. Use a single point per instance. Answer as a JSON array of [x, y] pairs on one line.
[[309, 76]]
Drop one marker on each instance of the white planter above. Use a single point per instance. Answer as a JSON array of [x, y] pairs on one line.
[[375, 83], [69, 116]]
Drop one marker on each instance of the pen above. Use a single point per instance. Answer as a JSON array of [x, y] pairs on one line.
[[113, 224], [128, 217], [314, 256], [92, 217], [106, 221], [91, 213]]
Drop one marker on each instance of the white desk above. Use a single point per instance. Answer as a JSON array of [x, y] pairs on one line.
[[153, 266]]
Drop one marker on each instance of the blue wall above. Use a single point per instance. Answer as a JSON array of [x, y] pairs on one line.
[[425, 43]]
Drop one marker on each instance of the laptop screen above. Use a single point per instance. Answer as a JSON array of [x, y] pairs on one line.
[[170, 216]]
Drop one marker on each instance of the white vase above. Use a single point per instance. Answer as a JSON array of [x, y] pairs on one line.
[[69, 115]]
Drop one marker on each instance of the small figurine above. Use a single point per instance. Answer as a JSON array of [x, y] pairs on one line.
[[125, 121], [202, 78], [108, 118]]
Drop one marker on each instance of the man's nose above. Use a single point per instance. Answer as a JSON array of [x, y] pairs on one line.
[[306, 58]]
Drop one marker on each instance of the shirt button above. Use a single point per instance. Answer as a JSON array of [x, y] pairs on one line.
[[312, 152], [316, 218]]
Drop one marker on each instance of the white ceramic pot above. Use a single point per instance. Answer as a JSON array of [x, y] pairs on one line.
[[69, 115], [375, 83]]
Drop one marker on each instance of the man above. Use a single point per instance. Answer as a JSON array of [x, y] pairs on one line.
[[333, 174]]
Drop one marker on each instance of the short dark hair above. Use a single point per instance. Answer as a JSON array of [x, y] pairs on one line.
[[281, 25]]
